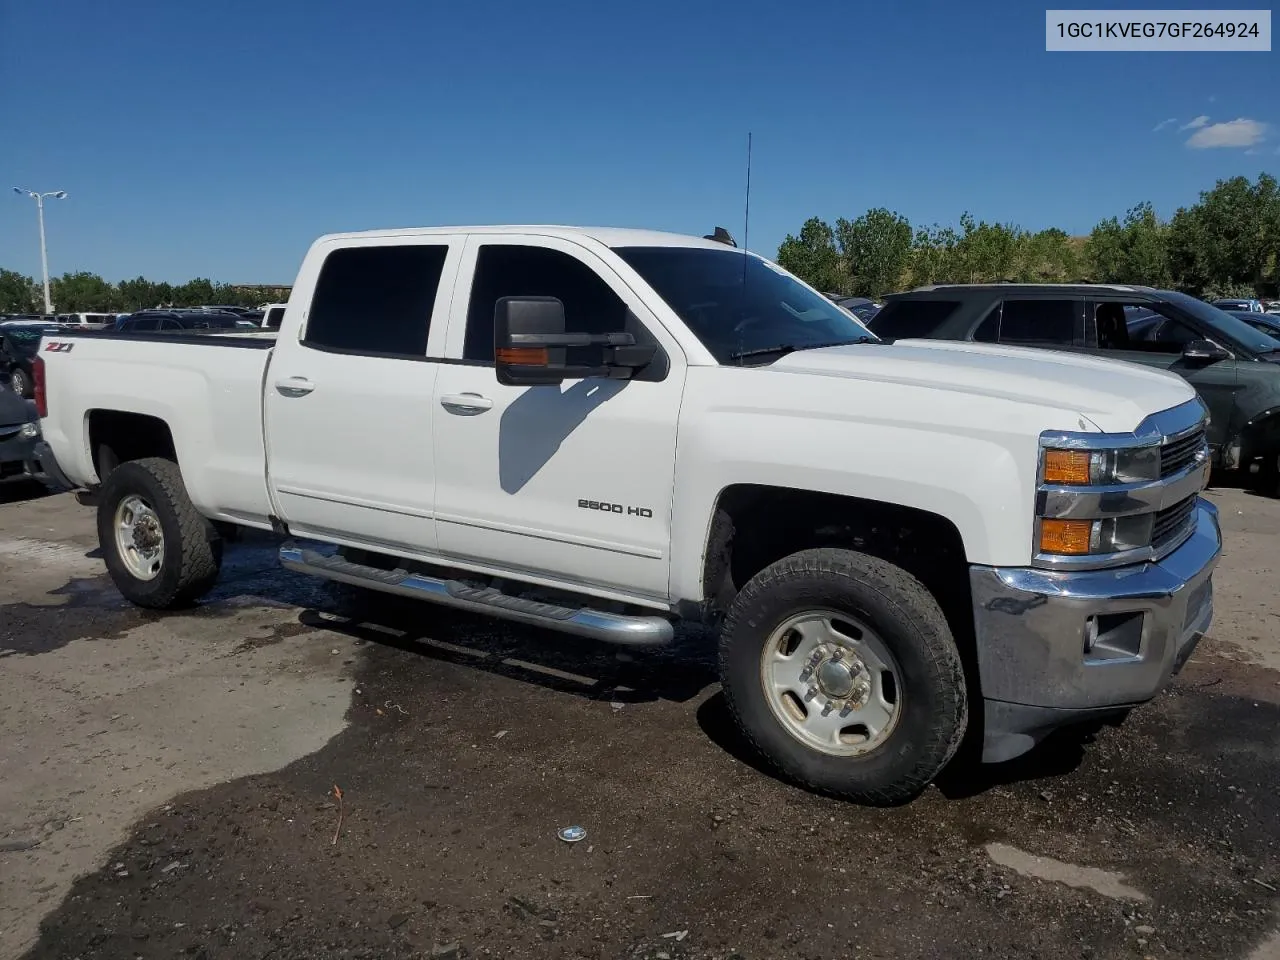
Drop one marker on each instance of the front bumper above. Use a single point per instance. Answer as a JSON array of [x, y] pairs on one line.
[[1056, 648], [29, 458]]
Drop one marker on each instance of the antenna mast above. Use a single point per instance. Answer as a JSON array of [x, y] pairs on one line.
[[746, 216]]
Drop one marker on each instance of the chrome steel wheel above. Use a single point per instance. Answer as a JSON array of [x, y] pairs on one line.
[[832, 683], [139, 537]]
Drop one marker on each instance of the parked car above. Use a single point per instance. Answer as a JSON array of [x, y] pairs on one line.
[[1239, 303], [160, 321], [272, 314], [1268, 323], [1234, 367], [19, 440], [603, 432], [861, 307], [19, 343], [90, 321]]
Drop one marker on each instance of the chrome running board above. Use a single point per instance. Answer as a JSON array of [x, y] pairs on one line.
[[616, 628]]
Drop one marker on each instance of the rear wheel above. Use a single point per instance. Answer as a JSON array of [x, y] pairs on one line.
[[20, 382], [161, 553], [841, 671]]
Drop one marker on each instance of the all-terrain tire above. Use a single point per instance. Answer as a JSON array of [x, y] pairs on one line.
[[934, 703], [192, 548]]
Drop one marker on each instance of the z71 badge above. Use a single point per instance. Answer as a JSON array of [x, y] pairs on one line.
[[58, 346]]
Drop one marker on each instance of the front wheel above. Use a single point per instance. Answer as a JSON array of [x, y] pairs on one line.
[[159, 550], [841, 671]]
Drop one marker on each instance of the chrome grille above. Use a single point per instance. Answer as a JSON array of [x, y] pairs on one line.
[[1176, 455], [1172, 521]]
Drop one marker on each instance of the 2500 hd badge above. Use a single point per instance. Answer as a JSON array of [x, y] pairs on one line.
[[615, 508]]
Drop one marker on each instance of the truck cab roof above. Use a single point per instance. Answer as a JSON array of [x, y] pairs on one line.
[[609, 236]]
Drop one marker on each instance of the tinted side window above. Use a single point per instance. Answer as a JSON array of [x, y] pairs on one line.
[[988, 330], [1039, 321], [376, 300], [590, 305], [274, 316], [901, 319]]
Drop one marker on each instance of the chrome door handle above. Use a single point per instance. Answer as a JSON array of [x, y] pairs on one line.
[[294, 387], [465, 403]]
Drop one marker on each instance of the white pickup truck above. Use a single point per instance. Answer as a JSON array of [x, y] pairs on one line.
[[606, 431]]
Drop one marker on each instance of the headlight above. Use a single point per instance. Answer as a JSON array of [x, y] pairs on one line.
[[29, 431], [1101, 467], [1078, 538]]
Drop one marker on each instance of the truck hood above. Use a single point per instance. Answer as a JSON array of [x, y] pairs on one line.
[[1114, 395]]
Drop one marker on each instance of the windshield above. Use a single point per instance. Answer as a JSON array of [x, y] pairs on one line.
[[736, 302], [1218, 319]]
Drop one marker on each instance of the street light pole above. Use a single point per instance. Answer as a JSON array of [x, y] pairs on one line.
[[44, 253]]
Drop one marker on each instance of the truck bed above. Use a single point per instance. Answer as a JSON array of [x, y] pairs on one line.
[[203, 389]]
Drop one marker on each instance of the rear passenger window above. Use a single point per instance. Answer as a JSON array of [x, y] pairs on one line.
[[1039, 321], [376, 301], [903, 319], [590, 305]]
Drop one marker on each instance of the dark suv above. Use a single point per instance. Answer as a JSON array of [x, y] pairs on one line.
[[1234, 367]]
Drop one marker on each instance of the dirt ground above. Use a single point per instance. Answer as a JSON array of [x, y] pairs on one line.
[[167, 789]]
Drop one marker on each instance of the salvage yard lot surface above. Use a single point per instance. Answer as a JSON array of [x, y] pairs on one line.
[[166, 790]]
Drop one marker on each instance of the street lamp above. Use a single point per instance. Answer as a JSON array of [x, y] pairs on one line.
[[44, 254]]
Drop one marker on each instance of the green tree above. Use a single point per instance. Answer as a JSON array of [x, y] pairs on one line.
[[986, 252], [1048, 257], [194, 293], [18, 293], [933, 255], [813, 257], [138, 294], [83, 291], [875, 250], [1135, 251]]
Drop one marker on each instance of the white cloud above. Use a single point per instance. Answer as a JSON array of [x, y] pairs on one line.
[[1163, 123], [1195, 124], [1252, 152], [1240, 132]]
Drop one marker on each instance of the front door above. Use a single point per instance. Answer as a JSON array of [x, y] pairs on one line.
[[570, 482], [349, 395], [1139, 334]]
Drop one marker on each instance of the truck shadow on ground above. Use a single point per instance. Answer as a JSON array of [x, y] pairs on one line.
[[581, 667]]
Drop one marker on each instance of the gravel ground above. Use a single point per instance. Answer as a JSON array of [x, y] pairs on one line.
[[167, 789]]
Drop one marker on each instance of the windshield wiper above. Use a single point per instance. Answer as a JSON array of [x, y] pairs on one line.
[[782, 349]]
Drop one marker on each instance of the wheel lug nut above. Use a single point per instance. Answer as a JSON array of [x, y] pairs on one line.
[[827, 708], [839, 654], [811, 693]]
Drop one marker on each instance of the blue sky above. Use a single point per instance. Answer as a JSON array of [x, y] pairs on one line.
[[219, 139]]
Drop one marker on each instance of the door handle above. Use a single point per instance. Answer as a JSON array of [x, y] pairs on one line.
[[465, 403], [294, 387]]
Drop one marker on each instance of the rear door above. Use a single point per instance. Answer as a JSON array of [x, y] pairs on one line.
[[349, 392]]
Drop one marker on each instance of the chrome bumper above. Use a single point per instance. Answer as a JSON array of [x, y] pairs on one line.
[[1058, 647]]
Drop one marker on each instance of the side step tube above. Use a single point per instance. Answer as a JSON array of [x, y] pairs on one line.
[[598, 625]]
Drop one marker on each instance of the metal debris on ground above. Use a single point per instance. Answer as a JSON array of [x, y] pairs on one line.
[[395, 706], [571, 834], [500, 734], [676, 935], [337, 792]]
